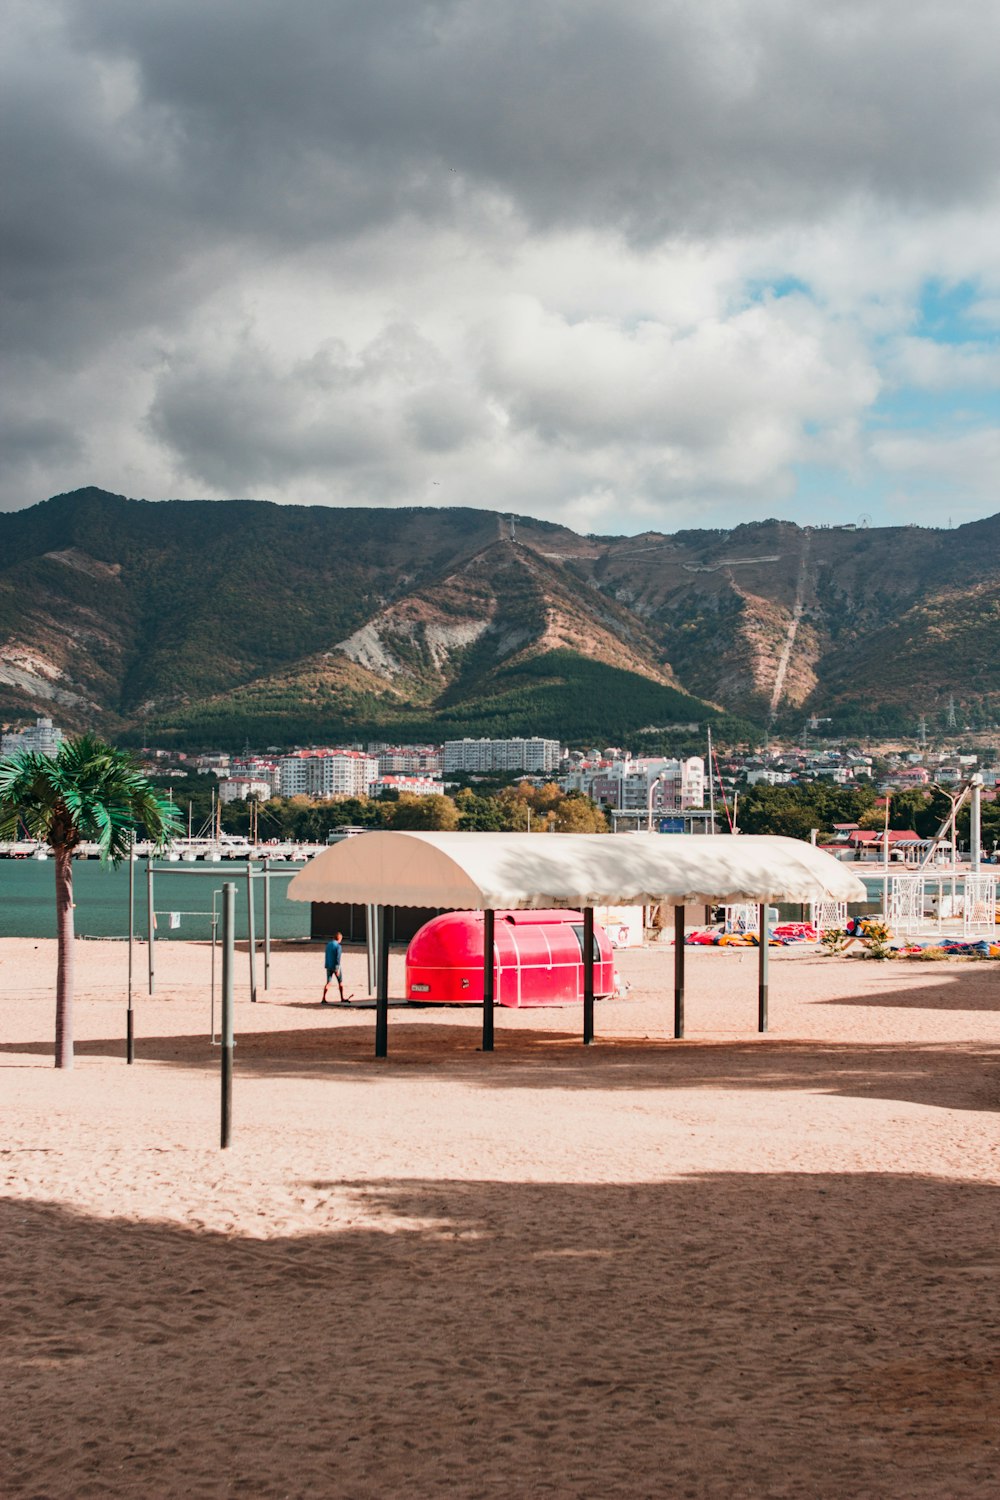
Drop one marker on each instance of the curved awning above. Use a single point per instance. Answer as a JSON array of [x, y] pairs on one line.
[[483, 871]]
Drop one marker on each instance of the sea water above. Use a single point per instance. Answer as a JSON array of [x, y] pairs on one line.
[[182, 901]]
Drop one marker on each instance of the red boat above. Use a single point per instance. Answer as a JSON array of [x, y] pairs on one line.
[[538, 959]]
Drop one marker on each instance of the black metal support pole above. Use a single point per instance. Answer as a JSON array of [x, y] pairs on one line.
[[215, 934], [267, 923], [129, 1034], [678, 971], [228, 1042], [150, 920], [489, 930], [251, 933], [382, 989], [763, 954], [588, 975]]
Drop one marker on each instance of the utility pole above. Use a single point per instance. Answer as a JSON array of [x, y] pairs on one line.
[[885, 860], [975, 822], [711, 784]]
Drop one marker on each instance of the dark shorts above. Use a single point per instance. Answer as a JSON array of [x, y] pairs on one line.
[[330, 973]]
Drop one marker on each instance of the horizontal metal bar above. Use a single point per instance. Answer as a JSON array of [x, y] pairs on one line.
[[174, 911], [235, 868]]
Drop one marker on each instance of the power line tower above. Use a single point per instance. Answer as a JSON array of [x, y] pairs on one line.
[[952, 718], [922, 731]]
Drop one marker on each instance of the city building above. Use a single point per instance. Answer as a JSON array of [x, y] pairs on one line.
[[408, 760], [911, 776], [255, 768], [217, 761], [43, 738], [767, 776], [641, 784], [539, 756], [326, 773], [413, 786], [242, 788]]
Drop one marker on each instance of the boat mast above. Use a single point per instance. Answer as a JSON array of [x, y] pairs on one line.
[[711, 785]]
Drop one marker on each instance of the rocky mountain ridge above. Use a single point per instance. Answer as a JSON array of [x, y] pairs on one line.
[[193, 618]]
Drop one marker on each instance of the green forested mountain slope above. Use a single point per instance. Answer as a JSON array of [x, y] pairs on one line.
[[202, 621]]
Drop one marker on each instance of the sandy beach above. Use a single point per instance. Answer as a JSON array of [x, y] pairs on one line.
[[728, 1266]]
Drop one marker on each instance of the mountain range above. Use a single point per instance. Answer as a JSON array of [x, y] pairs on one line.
[[216, 622]]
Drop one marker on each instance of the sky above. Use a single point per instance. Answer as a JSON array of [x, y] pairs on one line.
[[648, 264]]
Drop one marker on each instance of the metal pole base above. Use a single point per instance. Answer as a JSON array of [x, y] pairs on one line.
[[588, 976]]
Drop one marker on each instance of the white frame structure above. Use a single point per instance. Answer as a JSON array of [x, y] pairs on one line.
[[906, 902], [828, 916], [742, 918], [980, 905]]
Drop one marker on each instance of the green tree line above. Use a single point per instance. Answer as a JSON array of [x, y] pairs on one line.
[[795, 810], [525, 807]]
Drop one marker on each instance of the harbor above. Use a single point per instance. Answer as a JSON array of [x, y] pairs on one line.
[[187, 851]]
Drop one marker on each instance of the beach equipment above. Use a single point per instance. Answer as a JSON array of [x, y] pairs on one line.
[[538, 959], [519, 871]]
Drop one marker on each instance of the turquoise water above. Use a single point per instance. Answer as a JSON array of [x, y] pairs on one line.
[[27, 900]]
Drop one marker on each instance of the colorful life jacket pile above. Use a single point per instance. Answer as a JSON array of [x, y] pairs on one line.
[[780, 936], [980, 949]]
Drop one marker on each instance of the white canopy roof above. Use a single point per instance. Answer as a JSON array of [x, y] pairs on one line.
[[479, 871]]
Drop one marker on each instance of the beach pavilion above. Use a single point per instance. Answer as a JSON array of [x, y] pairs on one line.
[[490, 872]]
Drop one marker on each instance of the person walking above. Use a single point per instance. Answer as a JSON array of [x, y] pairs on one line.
[[334, 969]]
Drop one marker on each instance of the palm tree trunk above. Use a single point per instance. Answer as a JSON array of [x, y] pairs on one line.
[[64, 972]]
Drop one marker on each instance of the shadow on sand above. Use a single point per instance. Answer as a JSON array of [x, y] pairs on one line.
[[785, 1335], [970, 985], [954, 1075]]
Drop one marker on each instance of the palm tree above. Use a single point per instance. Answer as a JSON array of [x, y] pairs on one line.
[[91, 792]]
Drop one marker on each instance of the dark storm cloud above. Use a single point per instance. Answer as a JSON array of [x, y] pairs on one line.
[[38, 440], [303, 123], [253, 419], [156, 157], [314, 117]]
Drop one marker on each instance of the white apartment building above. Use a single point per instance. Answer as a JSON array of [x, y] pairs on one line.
[[538, 756], [242, 788], [768, 777], [415, 786], [217, 762], [326, 773], [673, 785], [255, 768], [43, 738], [409, 760]]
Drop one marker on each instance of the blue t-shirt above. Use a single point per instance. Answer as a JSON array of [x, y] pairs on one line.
[[333, 952]]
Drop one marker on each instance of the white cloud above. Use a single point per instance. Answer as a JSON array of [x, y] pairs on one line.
[[923, 364], [340, 253], [941, 476]]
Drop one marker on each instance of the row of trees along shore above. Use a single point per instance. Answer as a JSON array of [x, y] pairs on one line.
[[793, 811], [511, 809]]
